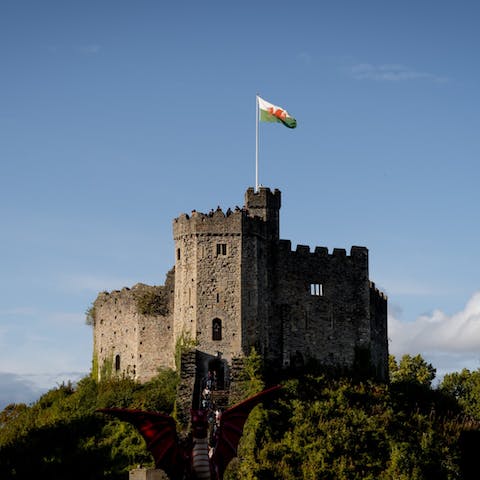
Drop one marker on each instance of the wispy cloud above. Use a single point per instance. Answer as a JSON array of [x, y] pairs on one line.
[[18, 311], [440, 336], [392, 73], [305, 58], [89, 49], [16, 389], [411, 287], [26, 388], [93, 283], [52, 49], [65, 319]]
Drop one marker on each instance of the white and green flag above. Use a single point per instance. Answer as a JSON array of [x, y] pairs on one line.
[[272, 113]]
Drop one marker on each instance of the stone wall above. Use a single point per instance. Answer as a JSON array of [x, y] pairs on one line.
[[323, 304], [186, 388], [208, 280], [147, 474], [129, 342]]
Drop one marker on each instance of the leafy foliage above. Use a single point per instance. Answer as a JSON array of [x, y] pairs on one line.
[[61, 436], [251, 378], [90, 315], [340, 429], [411, 369], [152, 301], [184, 343], [320, 427], [464, 387]]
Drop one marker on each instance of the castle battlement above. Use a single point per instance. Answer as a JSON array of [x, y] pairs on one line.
[[215, 222], [259, 216], [357, 254], [378, 292], [263, 198]]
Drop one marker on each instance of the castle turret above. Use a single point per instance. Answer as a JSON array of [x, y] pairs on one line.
[[265, 204], [207, 280]]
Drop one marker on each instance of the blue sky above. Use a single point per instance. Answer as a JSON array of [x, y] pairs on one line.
[[116, 116]]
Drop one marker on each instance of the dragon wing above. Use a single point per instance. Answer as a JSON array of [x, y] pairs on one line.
[[160, 434], [230, 430]]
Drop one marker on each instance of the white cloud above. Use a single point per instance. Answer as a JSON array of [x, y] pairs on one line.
[[26, 388], [89, 49], [66, 319], [15, 311], [45, 381], [392, 73], [411, 287], [450, 340], [93, 283], [43, 341], [305, 58], [16, 389]]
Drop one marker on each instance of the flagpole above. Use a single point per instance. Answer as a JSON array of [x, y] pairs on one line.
[[256, 143]]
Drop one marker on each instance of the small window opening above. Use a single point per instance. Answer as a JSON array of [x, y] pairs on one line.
[[117, 363], [178, 254], [218, 297], [216, 329], [221, 248], [316, 289]]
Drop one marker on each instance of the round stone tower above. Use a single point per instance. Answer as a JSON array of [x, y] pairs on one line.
[[208, 281]]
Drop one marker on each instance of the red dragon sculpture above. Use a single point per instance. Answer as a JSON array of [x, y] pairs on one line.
[[194, 459]]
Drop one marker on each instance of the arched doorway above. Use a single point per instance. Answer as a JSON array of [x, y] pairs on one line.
[[217, 369]]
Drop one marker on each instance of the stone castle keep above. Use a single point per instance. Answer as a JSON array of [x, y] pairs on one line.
[[236, 285]]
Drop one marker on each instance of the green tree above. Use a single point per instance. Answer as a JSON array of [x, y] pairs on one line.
[[412, 369], [61, 436], [464, 386]]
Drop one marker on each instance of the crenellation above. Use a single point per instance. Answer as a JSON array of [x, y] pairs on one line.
[[303, 250], [378, 292]]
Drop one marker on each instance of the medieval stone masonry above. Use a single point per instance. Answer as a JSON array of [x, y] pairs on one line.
[[236, 285]]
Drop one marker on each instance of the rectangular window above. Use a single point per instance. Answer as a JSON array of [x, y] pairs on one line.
[[178, 254], [316, 289], [221, 248]]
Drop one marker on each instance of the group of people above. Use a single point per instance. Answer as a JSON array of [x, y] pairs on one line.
[[207, 403]]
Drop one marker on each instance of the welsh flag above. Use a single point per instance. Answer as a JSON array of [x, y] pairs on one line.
[[272, 113]]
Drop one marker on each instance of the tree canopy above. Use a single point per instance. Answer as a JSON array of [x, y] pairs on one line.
[[321, 426]]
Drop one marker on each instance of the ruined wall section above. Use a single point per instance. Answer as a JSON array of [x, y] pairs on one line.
[[208, 280], [323, 301], [133, 331]]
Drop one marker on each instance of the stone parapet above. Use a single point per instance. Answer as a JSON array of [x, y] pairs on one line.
[[147, 474]]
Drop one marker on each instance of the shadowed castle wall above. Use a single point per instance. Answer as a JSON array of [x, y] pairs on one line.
[[322, 303], [378, 331]]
